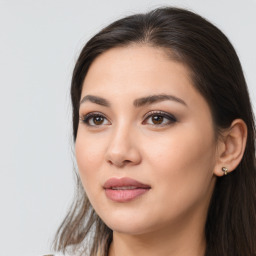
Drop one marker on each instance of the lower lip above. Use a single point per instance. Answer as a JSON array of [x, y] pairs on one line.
[[125, 195]]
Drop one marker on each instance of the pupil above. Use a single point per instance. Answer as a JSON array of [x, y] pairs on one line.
[[157, 119], [98, 120]]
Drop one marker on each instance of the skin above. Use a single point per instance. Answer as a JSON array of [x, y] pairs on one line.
[[179, 158]]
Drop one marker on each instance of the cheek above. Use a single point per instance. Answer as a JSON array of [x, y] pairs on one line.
[[86, 154], [180, 148], [89, 157], [183, 164]]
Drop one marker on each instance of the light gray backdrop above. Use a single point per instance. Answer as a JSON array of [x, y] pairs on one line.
[[39, 43]]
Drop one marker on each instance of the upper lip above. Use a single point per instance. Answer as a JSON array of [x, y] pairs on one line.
[[124, 182]]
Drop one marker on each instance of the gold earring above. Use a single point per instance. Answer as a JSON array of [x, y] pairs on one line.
[[225, 170]]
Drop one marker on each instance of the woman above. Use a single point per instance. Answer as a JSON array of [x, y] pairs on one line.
[[164, 139]]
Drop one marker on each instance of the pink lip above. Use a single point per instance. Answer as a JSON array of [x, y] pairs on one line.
[[124, 189]]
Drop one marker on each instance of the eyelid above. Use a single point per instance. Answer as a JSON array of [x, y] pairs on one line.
[[170, 117], [84, 118]]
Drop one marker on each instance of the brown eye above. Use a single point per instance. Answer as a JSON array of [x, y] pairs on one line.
[[159, 119], [95, 119], [156, 119], [98, 120]]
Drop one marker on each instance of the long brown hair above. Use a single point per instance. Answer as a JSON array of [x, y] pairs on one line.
[[217, 74]]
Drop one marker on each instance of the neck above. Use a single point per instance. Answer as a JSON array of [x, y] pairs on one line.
[[161, 243]]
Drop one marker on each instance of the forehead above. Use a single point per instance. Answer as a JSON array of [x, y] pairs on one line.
[[141, 66]]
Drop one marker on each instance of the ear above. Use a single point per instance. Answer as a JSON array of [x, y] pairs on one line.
[[231, 147]]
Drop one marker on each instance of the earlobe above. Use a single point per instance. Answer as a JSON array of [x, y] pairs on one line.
[[231, 148]]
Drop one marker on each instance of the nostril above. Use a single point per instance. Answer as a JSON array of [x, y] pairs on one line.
[[110, 162], [121, 155], [118, 163]]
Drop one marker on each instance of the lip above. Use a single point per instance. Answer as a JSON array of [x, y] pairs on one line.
[[124, 189]]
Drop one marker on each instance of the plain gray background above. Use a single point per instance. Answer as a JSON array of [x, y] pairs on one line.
[[39, 43]]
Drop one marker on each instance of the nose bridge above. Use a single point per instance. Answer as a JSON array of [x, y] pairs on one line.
[[121, 138], [123, 148]]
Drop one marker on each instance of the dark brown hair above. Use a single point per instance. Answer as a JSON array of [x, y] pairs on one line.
[[217, 74]]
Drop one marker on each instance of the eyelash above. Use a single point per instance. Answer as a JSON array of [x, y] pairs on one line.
[[170, 118], [88, 117]]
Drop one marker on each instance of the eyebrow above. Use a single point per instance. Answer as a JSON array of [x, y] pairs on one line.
[[156, 98], [137, 103], [96, 100]]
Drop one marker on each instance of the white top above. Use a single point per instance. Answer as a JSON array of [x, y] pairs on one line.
[[58, 254]]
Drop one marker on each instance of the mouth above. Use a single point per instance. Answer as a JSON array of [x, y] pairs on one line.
[[124, 189]]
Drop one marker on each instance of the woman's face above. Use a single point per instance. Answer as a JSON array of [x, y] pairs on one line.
[[145, 147]]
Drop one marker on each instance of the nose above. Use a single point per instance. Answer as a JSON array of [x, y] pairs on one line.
[[123, 148]]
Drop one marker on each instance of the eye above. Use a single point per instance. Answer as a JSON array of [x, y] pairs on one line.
[[159, 118], [94, 119]]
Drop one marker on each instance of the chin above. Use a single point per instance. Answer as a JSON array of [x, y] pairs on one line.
[[130, 224], [129, 228]]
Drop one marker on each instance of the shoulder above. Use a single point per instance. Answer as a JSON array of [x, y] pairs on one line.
[[67, 253], [55, 254], [60, 254]]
